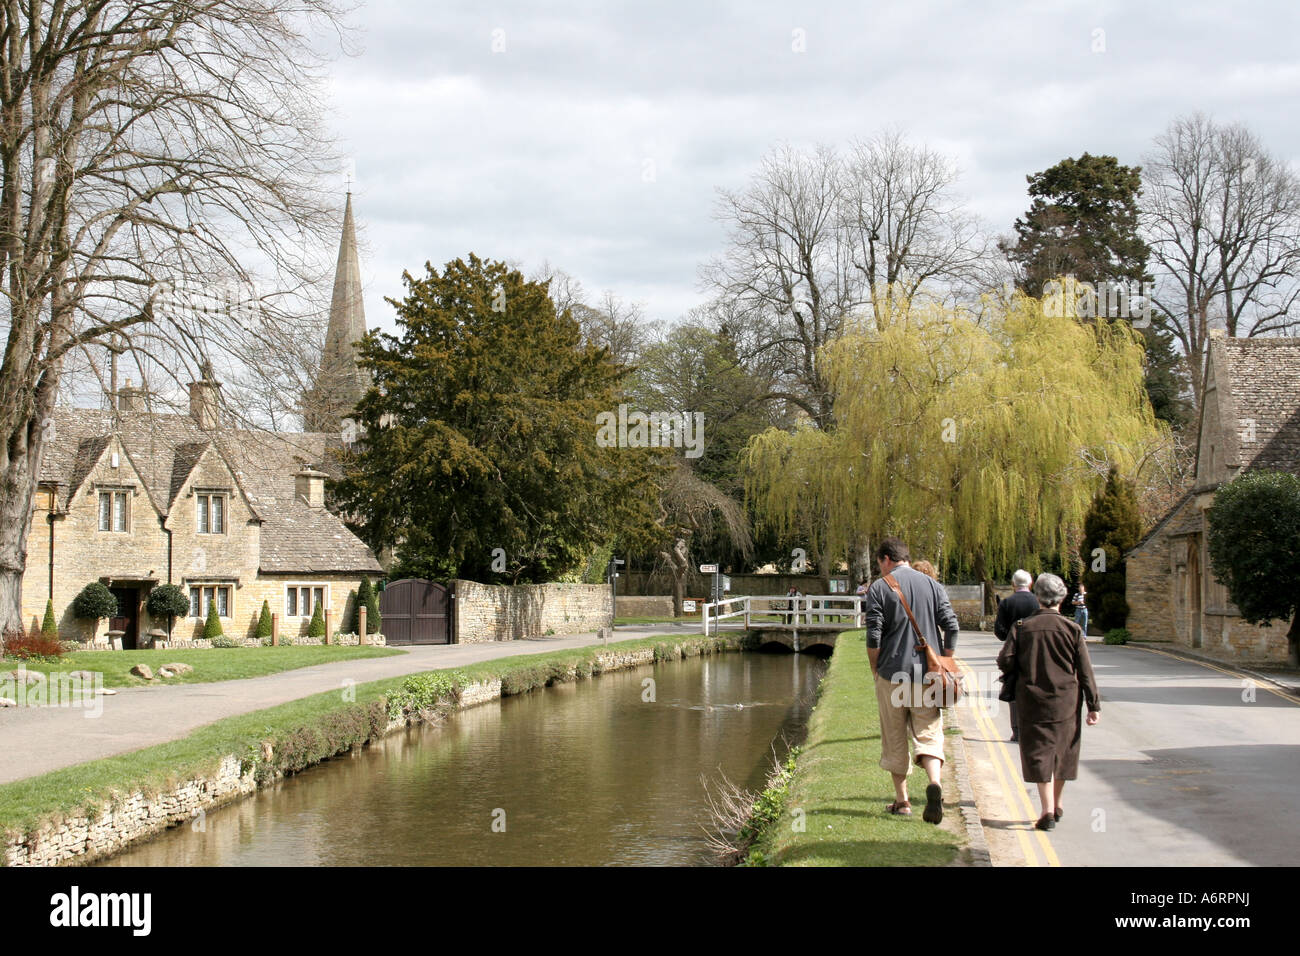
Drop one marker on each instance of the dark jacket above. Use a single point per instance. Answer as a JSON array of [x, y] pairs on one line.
[[1019, 605], [1048, 655], [889, 629]]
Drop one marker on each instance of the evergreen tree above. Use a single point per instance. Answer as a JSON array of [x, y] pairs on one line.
[[49, 626], [264, 621], [212, 626], [317, 626], [481, 432], [1113, 525], [1254, 544], [1083, 222], [372, 612]]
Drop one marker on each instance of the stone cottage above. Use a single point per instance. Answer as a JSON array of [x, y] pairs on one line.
[[1250, 419], [135, 498]]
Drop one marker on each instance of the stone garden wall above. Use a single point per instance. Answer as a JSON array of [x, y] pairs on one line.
[[489, 612]]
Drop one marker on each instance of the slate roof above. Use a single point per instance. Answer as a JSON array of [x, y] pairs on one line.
[[165, 448], [1262, 377]]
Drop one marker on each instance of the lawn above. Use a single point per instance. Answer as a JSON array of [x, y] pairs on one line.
[[839, 786], [216, 664]]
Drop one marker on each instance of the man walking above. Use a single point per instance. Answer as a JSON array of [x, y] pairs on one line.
[[1020, 604], [899, 672]]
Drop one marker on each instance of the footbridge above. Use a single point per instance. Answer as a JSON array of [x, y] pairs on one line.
[[799, 622]]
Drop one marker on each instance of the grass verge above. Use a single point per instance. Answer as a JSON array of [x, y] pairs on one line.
[[833, 810], [292, 736], [216, 664]]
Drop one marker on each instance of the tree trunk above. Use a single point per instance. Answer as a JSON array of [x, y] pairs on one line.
[[981, 572], [17, 487], [1293, 640], [678, 560]]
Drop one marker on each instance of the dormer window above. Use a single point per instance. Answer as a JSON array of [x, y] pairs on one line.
[[115, 510], [211, 513]]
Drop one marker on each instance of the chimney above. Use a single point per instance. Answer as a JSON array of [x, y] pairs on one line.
[[132, 399], [205, 396], [309, 485]]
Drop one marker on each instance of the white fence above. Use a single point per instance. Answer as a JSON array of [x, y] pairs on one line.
[[806, 611]]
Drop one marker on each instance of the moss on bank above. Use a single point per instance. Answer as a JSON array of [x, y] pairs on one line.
[[290, 737], [833, 810]]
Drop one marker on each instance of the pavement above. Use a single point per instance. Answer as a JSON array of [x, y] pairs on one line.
[[1194, 763], [36, 740]]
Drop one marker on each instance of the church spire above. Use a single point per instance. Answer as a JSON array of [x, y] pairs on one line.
[[341, 383]]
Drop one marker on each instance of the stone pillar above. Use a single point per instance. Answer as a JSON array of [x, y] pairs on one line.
[[327, 625], [275, 629], [361, 624]]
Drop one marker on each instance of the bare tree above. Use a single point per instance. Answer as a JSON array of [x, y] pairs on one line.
[[149, 149], [907, 229], [787, 266], [616, 325], [1222, 218]]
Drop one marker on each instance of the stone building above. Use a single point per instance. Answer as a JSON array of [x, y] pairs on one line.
[[1250, 419], [136, 498]]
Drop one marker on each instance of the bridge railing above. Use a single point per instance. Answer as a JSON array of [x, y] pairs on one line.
[[786, 611]]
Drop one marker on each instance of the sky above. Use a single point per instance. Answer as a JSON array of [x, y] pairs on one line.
[[594, 136]]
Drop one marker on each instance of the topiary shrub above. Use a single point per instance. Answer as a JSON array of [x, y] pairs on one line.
[[317, 626], [94, 603], [49, 626], [212, 626], [167, 601], [264, 623]]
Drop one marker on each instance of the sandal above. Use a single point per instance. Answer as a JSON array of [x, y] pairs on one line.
[[899, 809]]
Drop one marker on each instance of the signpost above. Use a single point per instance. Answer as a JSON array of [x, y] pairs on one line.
[[717, 581], [614, 564]]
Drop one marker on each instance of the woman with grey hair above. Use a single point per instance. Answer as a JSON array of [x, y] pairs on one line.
[[1046, 656]]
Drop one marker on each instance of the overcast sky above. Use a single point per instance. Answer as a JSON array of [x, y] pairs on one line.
[[595, 136]]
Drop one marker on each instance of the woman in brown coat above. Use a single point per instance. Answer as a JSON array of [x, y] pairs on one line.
[[1047, 657]]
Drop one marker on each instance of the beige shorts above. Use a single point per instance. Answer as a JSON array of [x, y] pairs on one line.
[[923, 726]]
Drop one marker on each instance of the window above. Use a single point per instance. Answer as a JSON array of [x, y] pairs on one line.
[[202, 596], [302, 600], [212, 514], [114, 511]]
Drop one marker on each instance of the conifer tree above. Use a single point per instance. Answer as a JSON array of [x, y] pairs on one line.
[[212, 626], [317, 626], [1111, 529], [264, 621], [361, 597], [49, 626]]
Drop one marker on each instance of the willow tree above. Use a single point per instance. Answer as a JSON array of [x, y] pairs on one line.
[[980, 443]]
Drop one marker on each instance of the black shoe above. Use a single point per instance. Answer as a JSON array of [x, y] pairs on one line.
[[933, 804], [1046, 822], [1014, 738], [1059, 813]]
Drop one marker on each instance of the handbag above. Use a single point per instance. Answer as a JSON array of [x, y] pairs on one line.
[[942, 676]]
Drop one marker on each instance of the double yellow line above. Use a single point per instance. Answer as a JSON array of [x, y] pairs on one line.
[[1007, 771]]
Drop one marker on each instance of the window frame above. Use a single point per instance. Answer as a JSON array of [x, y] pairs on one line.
[[205, 599], [205, 512], [120, 504], [309, 589]]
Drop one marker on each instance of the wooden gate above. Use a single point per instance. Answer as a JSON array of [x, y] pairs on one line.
[[416, 611]]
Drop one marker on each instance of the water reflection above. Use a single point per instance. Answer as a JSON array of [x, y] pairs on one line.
[[581, 774]]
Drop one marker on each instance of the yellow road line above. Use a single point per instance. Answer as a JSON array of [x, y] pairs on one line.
[[1011, 773], [1222, 670]]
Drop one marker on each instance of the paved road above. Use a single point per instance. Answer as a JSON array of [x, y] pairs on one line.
[[1191, 765], [36, 740]]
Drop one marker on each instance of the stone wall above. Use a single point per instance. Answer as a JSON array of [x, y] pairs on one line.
[[645, 606], [489, 612]]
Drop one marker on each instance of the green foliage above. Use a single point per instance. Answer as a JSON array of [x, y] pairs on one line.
[[481, 433], [1117, 635], [167, 601], [94, 602], [363, 596], [212, 626], [1254, 545], [49, 625], [1083, 221], [264, 622], [422, 693], [1113, 524], [969, 428], [373, 618], [222, 641], [316, 628]]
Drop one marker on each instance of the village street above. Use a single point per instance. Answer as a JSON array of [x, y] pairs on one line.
[[1192, 764]]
